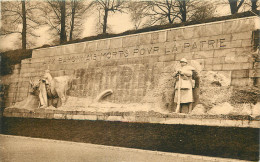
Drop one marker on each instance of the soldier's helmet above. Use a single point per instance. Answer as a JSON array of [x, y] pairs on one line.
[[184, 60]]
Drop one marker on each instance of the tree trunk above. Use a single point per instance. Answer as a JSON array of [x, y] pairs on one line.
[[183, 10], [105, 21], [72, 19], [169, 12], [253, 4], [24, 25], [240, 4], [169, 19], [233, 6], [63, 28]]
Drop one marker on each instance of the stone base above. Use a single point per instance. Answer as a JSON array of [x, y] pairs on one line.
[[139, 116]]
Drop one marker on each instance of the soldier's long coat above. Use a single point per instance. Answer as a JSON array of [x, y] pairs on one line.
[[186, 81]]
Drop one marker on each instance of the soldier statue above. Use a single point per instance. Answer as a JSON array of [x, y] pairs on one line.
[[184, 85]]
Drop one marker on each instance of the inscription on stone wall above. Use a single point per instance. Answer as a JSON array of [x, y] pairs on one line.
[[160, 49], [198, 45]]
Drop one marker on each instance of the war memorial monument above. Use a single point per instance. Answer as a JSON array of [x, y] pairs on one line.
[[132, 78]]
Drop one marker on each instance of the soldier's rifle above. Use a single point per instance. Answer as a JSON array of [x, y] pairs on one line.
[[179, 94]]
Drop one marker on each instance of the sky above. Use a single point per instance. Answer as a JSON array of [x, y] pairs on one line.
[[119, 22]]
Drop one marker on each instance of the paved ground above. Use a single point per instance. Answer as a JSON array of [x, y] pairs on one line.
[[25, 149]]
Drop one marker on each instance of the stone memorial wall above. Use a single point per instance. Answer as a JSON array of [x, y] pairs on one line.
[[133, 65]]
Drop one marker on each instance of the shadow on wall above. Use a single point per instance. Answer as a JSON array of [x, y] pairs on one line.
[[3, 97]]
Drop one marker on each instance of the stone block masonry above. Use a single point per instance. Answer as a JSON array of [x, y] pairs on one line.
[[132, 65], [139, 117]]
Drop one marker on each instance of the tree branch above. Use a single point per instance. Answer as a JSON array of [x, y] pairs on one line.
[[240, 4]]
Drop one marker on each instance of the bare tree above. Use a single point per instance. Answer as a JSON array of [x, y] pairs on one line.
[[63, 37], [107, 6], [55, 14], [170, 11], [164, 9], [136, 10], [183, 4], [24, 25], [203, 10], [254, 4], [154, 12], [65, 17], [235, 5], [78, 10], [19, 13], [74, 5], [189, 9], [241, 5]]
